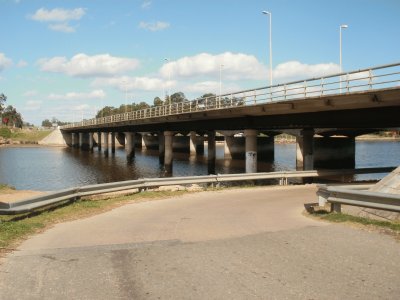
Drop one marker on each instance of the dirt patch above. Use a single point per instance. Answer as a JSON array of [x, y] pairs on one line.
[[14, 195]]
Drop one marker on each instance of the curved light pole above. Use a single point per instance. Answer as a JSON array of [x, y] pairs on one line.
[[270, 45], [343, 26], [220, 82], [169, 79]]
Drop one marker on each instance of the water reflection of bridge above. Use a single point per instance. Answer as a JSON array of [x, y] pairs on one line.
[[325, 114]]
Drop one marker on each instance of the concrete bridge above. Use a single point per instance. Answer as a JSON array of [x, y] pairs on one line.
[[324, 114]]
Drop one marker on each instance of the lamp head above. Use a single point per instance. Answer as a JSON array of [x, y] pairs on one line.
[[344, 26], [266, 12]]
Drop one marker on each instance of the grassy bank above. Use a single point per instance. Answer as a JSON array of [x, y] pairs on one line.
[[14, 229], [391, 227], [24, 135], [5, 187]]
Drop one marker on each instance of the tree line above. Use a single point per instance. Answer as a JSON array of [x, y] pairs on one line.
[[209, 99]]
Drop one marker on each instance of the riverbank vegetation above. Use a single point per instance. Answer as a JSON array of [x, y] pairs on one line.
[[22, 136], [389, 227]]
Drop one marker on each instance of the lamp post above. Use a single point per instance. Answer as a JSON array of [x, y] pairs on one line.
[[169, 79], [220, 82], [343, 26], [270, 45]]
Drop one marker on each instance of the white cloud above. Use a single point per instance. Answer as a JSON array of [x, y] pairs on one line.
[[30, 93], [32, 105], [22, 64], [210, 87], [58, 15], [96, 94], [82, 65], [155, 26], [81, 107], [5, 62], [146, 4], [235, 66], [62, 27], [134, 83], [292, 70]]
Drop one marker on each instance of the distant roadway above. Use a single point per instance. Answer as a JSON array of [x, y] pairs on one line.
[[230, 244]]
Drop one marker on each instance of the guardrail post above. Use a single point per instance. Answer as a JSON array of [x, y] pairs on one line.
[[336, 207]]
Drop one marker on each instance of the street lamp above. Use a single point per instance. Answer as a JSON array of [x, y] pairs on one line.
[[270, 45], [220, 82], [343, 26], [169, 79], [125, 83]]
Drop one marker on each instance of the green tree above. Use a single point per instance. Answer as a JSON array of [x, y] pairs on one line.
[[3, 99], [11, 117], [157, 101], [46, 123], [178, 97]]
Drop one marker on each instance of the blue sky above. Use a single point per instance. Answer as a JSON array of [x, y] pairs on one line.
[[66, 59]]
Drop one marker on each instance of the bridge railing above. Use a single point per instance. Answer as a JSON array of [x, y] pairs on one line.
[[380, 77]]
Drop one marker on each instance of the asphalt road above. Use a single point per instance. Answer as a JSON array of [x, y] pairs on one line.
[[232, 244]]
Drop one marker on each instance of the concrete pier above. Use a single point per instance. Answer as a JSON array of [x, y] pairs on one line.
[[74, 139], [168, 157], [161, 148], [211, 152], [99, 141], [104, 144], [129, 144], [251, 150], [305, 150], [91, 141], [193, 143], [112, 138]]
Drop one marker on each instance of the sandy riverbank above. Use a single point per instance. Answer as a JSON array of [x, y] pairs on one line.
[[9, 195]]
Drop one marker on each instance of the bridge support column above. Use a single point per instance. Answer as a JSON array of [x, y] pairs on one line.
[[211, 152], [161, 148], [104, 144], [228, 145], [99, 141], [305, 150], [80, 138], [334, 152], [84, 140], [129, 145], [75, 140], [168, 136], [251, 150], [91, 141], [112, 137], [193, 143]]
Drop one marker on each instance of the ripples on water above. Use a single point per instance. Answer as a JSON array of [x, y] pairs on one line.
[[42, 168]]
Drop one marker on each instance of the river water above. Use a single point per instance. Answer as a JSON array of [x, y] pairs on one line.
[[45, 168]]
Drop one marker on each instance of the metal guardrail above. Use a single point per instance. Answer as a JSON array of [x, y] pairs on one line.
[[385, 76], [31, 204], [357, 196]]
